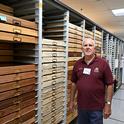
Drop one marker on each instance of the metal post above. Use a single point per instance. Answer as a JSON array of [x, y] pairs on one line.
[[39, 78], [83, 33], [66, 68]]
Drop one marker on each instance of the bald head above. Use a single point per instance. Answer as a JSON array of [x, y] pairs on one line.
[[89, 40], [88, 47]]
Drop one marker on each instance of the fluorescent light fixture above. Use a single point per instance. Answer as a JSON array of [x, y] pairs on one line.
[[118, 12]]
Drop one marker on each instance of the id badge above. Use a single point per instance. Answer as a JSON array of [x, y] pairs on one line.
[[87, 71]]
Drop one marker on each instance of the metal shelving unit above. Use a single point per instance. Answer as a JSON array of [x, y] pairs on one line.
[[53, 20]]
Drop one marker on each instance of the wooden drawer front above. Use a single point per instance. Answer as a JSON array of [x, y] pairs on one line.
[[52, 116], [16, 84], [19, 22], [53, 93], [74, 54], [53, 65], [6, 9], [71, 63], [16, 107], [53, 54], [16, 69], [53, 76], [72, 26], [17, 30], [6, 59], [17, 38], [75, 36], [53, 42], [74, 40], [53, 48], [74, 50], [73, 58], [72, 45], [19, 116], [53, 88], [74, 31], [6, 52], [53, 59], [16, 100], [16, 77], [52, 71], [16, 92], [53, 82]]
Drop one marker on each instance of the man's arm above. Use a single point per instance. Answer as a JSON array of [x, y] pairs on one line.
[[72, 96], [109, 94]]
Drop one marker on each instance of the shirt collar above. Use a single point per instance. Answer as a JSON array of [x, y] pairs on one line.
[[94, 59]]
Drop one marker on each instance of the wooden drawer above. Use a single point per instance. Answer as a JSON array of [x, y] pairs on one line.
[[53, 54], [16, 100], [6, 9], [75, 36], [18, 117], [16, 77], [18, 21], [75, 27], [74, 40], [10, 37], [16, 92], [16, 69], [17, 30], [53, 71], [53, 42], [53, 48], [53, 59], [52, 82], [53, 76], [72, 49], [16, 107], [16, 84], [74, 54], [53, 65]]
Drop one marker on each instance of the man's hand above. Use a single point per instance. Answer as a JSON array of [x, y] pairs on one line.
[[106, 111]]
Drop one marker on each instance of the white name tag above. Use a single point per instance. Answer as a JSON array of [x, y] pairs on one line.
[[87, 71]]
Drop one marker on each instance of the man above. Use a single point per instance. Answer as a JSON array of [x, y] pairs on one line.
[[92, 78]]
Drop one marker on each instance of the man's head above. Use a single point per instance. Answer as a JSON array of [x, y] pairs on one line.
[[88, 47]]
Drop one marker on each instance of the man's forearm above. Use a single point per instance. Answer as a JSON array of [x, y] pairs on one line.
[[109, 93], [73, 92]]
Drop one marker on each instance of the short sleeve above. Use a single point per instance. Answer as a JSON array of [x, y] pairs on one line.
[[74, 75], [108, 78]]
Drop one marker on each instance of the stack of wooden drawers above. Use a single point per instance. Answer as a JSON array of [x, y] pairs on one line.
[[74, 53], [98, 39], [53, 81], [89, 34], [17, 79], [6, 9], [17, 30], [17, 94], [54, 26]]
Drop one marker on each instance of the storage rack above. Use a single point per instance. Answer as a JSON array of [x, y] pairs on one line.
[[38, 54], [18, 39]]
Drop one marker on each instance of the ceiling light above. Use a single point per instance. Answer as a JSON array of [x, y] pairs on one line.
[[118, 12]]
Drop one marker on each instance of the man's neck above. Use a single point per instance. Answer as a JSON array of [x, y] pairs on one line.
[[88, 59]]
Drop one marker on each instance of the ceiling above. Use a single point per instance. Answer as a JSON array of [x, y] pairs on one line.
[[100, 12]]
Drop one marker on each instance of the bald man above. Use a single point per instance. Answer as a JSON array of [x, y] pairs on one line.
[[92, 79]]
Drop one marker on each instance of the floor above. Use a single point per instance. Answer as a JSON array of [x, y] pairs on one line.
[[117, 116]]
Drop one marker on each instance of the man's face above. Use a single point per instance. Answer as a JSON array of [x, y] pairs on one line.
[[88, 47]]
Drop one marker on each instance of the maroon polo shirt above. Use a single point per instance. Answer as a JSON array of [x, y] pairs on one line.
[[90, 81]]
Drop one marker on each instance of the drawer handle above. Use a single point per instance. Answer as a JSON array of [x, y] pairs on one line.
[[16, 31], [16, 22], [17, 39]]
